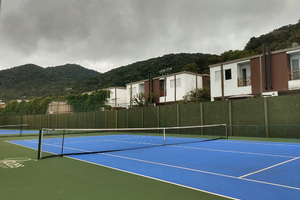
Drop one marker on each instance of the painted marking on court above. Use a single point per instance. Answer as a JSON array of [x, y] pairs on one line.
[[13, 163], [201, 171], [219, 150], [269, 167], [151, 177], [262, 143]]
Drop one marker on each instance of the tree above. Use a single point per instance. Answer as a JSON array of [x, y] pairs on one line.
[[203, 95], [142, 99], [92, 102]]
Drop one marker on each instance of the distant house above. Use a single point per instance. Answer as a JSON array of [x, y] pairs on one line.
[[58, 107], [276, 73], [177, 85], [2, 104], [117, 98]]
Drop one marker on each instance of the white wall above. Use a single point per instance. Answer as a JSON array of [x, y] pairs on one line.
[[117, 96], [231, 85], [137, 88], [185, 83], [294, 84]]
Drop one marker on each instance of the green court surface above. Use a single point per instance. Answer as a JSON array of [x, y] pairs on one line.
[[65, 178]]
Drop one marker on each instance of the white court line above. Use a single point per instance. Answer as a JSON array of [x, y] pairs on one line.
[[150, 177], [260, 154], [201, 171], [261, 143], [269, 167]]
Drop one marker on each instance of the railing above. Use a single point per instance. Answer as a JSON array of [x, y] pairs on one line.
[[294, 74], [162, 93], [244, 81]]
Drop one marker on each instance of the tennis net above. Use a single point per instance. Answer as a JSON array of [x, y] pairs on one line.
[[59, 142], [16, 129]]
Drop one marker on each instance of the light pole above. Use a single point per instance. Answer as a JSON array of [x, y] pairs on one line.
[[68, 90], [22, 111], [68, 106], [164, 72]]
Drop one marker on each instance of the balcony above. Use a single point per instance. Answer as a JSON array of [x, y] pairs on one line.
[[294, 74], [162, 93], [244, 81]]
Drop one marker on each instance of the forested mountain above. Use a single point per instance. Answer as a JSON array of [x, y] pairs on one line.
[[138, 71], [34, 81]]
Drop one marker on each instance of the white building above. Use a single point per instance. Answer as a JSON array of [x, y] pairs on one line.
[[236, 79], [177, 85], [269, 74], [117, 98]]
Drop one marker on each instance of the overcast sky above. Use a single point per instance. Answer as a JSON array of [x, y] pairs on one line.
[[106, 34]]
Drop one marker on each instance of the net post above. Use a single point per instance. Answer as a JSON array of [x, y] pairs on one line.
[[62, 145], [40, 144], [164, 135], [226, 131]]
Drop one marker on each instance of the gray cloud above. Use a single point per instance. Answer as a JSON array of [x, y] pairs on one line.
[[107, 34]]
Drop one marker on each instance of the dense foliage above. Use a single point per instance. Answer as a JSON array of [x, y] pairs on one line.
[[143, 99], [79, 103], [33, 107], [280, 38], [85, 102], [119, 77], [197, 95], [34, 81]]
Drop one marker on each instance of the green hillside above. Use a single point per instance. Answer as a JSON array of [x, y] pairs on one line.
[[34, 81], [138, 71]]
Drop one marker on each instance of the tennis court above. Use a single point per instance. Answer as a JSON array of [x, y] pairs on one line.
[[233, 169], [16, 130]]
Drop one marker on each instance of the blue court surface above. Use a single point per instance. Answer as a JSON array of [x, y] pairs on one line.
[[17, 132], [229, 168]]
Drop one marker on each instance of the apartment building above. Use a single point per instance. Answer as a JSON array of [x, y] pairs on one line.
[[169, 89], [269, 74], [117, 98]]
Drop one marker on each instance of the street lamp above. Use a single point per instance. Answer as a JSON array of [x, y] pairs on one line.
[[22, 111], [68, 90], [164, 72], [68, 106]]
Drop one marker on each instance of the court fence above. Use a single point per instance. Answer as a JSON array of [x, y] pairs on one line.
[[258, 117]]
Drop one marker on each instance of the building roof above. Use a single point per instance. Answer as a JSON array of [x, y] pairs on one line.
[[168, 75], [256, 56]]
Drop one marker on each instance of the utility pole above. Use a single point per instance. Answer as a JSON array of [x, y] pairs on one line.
[[196, 87], [222, 82], [164, 72]]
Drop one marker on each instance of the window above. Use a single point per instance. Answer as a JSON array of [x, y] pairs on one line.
[[295, 64], [217, 76], [133, 91], [295, 72], [178, 83], [227, 74], [161, 84]]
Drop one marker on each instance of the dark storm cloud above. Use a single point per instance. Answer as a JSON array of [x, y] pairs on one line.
[[106, 34]]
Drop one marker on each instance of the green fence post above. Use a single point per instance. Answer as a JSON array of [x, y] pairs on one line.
[[266, 116]]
